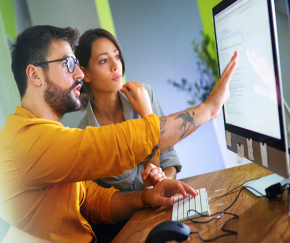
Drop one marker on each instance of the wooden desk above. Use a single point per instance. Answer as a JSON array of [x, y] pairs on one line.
[[260, 220]]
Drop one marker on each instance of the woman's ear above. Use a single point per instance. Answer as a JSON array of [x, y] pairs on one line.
[[86, 76], [34, 76]]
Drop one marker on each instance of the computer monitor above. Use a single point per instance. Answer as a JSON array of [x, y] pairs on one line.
[[254, 113]]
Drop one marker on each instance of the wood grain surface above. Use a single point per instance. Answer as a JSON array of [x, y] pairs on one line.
[[260, 220]]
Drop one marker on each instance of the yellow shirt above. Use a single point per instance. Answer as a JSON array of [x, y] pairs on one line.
[[46, 172]]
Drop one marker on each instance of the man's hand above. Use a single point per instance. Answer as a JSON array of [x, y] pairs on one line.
[[160, 195], [152, 175], [220, 92], [140, 99], [124, 204]]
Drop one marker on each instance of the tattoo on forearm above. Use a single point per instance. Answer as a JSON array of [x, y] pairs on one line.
[[162, 124], [186, 119]]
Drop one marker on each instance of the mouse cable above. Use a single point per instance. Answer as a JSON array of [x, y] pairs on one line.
[[235, 216], [232, 190], [228, 232]]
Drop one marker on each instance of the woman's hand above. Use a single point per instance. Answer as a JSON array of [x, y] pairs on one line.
[[140, 99], [152, 175]]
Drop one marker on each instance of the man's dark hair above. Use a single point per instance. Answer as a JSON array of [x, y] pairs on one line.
[[32, 46]]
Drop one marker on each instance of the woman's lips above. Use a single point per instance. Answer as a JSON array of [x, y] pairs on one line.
[[117, 77]]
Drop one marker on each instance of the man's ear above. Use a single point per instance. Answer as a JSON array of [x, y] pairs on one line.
[[34, 75], [86, 76]]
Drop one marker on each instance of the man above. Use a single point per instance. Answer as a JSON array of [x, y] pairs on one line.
[[47, 169]]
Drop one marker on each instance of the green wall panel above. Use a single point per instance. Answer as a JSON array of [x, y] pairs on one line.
[[205, 9], [8, 16]]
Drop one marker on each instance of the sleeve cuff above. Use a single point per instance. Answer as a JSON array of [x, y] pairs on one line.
[[153, 134]]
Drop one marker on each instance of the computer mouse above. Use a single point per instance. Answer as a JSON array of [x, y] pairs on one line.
[[168, 230]]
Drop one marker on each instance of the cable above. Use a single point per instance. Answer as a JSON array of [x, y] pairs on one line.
[[284, 187], [229, 232], [235, 216], [232, 191]]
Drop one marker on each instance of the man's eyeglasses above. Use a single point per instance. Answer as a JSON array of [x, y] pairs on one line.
[[70, 63]]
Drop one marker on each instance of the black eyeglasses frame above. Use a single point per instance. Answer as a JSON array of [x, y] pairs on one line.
[[76, 62]]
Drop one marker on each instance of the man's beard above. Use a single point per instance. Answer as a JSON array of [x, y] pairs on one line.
[[61, 101]]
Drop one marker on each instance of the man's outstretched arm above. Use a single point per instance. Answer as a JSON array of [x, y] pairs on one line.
[[175, 127]]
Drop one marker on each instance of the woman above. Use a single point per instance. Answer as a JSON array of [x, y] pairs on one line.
[[102, 62]]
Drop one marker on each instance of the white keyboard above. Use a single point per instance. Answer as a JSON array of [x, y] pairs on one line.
[[181, 205]]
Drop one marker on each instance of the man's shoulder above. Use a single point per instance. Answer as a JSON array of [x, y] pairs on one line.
[[13, 123], [19, 130]]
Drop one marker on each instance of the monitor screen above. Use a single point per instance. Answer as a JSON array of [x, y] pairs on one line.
[[244, 26], [254, 110]]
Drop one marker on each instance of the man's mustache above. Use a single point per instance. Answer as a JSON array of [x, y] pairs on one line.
[[76, 84]]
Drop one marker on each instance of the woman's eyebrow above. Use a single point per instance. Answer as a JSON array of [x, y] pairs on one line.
[[107, 53]]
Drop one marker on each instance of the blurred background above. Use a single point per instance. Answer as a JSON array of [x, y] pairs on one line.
[[156, 38]]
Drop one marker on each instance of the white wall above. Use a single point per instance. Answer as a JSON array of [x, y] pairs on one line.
[[63, 13], [22, 15]]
